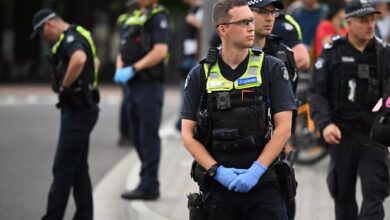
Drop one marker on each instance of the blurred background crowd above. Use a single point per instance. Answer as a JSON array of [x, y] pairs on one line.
[[23, 60]]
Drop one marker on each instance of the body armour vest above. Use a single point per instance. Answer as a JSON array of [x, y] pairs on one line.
[[354, 82], [136, 42], [276, 48], [90, 74], [238, 114]]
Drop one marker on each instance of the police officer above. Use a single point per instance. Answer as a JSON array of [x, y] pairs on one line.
[[243, 102], [73, 56], [265, 12], [343, 90], [125, 138], [143, 50], [290, 31]]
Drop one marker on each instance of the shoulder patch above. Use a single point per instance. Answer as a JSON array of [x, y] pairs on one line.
[[188, 80], [319, 64], [163, 24], [288, 26], [285, 73], [70, 38]]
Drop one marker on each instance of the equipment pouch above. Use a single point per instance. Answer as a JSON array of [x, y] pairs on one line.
[[225, 134], [196, 207], [198, 174], [286, 178], [364, 71], [223, 100], [200, 131]]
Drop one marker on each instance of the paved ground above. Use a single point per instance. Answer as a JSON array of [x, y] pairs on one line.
[[313, 201]]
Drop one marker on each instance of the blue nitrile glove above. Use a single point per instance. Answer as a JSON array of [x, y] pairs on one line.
[[123, 75], [226, 175], [246, 181]]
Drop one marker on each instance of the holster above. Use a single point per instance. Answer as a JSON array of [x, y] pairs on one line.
[[83, 98], [196, 207], [286, 179]]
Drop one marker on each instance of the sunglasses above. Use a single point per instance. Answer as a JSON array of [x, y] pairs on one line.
[[242, 22], [266, 12]]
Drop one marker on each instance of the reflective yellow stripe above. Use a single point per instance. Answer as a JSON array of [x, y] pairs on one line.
[[255, 64], [87, 35], [57, 44], [122, 18], [136, 18], [296, 25], [251, 78]]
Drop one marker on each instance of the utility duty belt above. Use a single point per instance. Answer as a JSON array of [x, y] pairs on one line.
[[78, 98]]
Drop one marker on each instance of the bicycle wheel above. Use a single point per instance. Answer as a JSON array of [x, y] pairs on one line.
[[309, 146]]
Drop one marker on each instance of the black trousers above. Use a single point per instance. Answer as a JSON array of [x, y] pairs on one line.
[[354, 156], [262, 202], [124, 121], [70, 169], [145, 101]]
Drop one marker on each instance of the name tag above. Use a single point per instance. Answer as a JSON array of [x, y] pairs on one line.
[[248, 80], [347, 59], [217, 84]]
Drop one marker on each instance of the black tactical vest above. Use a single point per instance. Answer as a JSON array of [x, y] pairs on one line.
[[354, 81], [238, 117]]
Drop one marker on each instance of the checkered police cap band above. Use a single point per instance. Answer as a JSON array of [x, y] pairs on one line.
[[253, 2], [50, 16], [361, 12]]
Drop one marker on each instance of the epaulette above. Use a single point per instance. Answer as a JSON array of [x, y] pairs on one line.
[[381, 42], [336, 39], [257, 50], [203, 60], [275, 38], [328, 46]]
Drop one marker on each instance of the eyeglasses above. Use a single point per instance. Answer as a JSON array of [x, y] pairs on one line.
[[266, 12], [242, 22]]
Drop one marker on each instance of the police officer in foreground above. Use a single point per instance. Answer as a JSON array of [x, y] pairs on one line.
[[73, 59], [345, 86], [141, 66], [243, 104], [265, 12]]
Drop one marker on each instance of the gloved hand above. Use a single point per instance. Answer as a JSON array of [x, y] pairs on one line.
[[123, 75], [247, 180], [226, 175]]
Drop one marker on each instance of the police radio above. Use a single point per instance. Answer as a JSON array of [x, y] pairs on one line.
[[202, 130]]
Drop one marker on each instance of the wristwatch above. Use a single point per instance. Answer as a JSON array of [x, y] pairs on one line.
[[212, 171]]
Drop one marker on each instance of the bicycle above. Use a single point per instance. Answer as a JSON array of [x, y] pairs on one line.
[[306, 140]]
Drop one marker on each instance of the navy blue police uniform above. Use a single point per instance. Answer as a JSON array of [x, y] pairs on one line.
[[124, 121], [343, 90], [79, 113], [276, 48], [238, 131], [145, 93], [290, 31]]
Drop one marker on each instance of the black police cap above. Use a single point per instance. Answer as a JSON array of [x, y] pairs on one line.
[[263, 3], [130, 3], [39, 20], [359, 8]]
